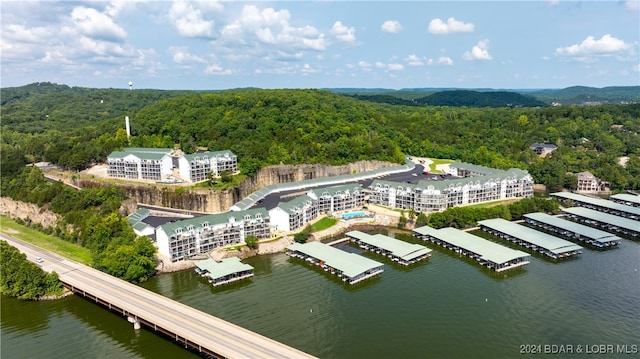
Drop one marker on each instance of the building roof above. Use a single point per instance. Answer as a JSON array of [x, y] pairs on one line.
[[404, 250], [543, 145], [295, 204], [631, 198], [164, 151], [350, 264], [489, 251], [224, 268], [585, 231], [213, 219], [599, 202], [598, 216], [551, 243], [138, 216], [333, 190], [143, 155], [208, 154], [586, 176]]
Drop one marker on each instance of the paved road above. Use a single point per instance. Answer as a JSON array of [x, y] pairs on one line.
[[220, 336]]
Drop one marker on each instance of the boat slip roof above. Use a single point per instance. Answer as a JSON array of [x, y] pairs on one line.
[[401, 249], [598, 216], [631, 198], [551, 243], [581, 229], [490, 251], [598, 202], [220, 269], [350, 264]]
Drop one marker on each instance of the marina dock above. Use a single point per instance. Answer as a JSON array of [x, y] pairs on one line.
[[227, 271], [489, 254], [605, 221], [599, 204], [626, 199], [399, 251], [350, 267], [586, 234], [540, 242]]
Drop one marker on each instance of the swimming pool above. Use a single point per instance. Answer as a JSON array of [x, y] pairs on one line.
[[350, 215]]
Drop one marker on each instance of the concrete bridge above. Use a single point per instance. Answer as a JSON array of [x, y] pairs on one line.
[[202, 332]]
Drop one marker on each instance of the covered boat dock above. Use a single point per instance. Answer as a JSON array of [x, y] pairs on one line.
[[489, 254], [580, 232], [540, 242], [399, 251], [626, 199], [600, 204], [227, 271], [350, 267], [605, 221]]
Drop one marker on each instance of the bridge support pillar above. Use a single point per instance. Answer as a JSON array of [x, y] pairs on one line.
[[135, 322]]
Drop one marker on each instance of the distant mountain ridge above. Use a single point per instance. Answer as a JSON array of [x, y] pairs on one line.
[[484, 97]]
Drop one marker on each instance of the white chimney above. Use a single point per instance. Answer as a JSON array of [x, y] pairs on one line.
[[126, 124]]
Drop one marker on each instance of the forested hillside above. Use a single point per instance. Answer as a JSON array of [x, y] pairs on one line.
[[265, 127]]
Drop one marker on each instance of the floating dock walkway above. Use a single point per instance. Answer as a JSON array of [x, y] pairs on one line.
[[350, 267], [600, 204], [586, 234], [489, 254], [605, 221], [540, 242], [399, 251], [227, 271]]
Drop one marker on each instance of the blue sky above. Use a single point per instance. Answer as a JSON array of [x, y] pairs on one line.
[[318, 44]]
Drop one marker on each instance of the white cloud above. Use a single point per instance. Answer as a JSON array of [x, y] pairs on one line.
[[633, 5], [636, 68], [414, 60], [478, 52], [391, 26], [93, 23], [442, 60], [437, 26], [218, 70], [181, 55], [590, 48], [389, 67], [270, 27], [189, 21], [343, 33]]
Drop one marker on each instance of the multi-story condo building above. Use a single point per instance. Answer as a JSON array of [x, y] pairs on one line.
[[289, 216], [186, 238], [140, 163], [588, 183], [197, 166], [338, 198], [479, 184]]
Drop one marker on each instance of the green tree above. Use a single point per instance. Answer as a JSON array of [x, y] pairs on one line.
[[251, 242]]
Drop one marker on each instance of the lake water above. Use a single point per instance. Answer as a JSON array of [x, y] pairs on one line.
[[445, 307]]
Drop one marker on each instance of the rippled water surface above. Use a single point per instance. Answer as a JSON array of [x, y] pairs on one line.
[[445, 307]]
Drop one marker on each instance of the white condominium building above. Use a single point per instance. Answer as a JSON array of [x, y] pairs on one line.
[[140, 163], [185, 238], [479, 184], [197, 166]]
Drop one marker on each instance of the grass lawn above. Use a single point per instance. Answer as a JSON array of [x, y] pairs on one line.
[[504, 202], [45, 241], [324, 223], [437, 161]]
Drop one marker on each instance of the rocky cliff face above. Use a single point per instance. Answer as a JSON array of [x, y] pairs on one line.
[[27, 211], [289, 173], [220, 201]]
